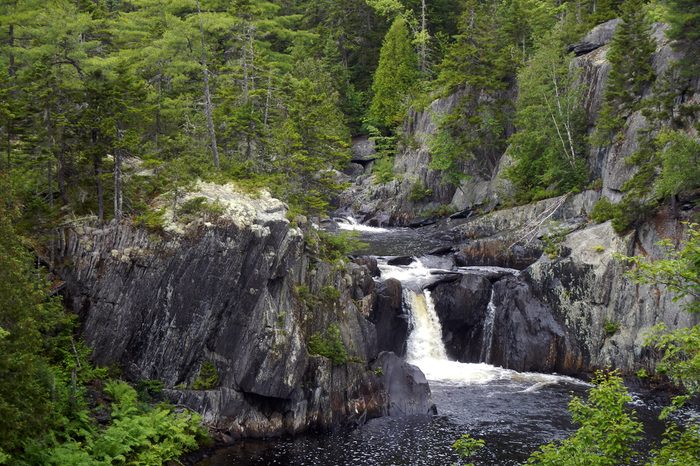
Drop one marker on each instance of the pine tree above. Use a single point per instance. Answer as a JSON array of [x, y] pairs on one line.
[[395, 78], [684, 18], [631, 70]]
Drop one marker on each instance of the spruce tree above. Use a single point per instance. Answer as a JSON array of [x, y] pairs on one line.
[[684, 18], [631, 70], [395, 78]]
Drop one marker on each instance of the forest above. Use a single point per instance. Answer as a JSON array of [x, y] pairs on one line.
[[108, 108]]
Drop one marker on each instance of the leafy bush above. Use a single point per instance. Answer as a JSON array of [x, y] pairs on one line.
[[329, 345], [419, 192], [208, 377], [136, 434], [603, 210], [466, 446], [607, 433], [335, 247]]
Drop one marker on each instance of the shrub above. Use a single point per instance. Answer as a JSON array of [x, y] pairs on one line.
[[419, 192], [383, 170], [152, 220], [466, 446], [208, 377], [603, 210], [329, 345], [200, 207], [611, 327], [608, 428]]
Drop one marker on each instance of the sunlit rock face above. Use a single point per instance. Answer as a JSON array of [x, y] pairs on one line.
[[241, 293]]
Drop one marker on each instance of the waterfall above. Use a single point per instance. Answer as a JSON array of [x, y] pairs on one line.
[[487, 338], [425, 339]]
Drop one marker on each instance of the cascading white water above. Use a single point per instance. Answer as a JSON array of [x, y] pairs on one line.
[[487, 338], [351, 224], [425, 340], [425, 347]]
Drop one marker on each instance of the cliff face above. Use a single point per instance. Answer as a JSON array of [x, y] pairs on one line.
[[570, 310], [244, 295], [391, 203]]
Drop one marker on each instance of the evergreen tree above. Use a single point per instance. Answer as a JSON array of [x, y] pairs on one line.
[[548, 146], [631, 70], [684, 18], [395, 78]]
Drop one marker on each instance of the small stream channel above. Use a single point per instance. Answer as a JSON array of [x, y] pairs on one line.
[[513, 412]]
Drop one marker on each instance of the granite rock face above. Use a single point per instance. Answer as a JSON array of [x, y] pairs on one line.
[[243, 294]]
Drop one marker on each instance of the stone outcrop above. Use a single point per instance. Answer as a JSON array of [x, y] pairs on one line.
[[244, 294]]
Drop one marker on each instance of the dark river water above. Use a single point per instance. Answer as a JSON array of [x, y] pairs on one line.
[[513, 412], [512, 421]]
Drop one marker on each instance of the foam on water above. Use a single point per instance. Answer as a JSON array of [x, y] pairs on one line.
[[350, 224], [426, 349]]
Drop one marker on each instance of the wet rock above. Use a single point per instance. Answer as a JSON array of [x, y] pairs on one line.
[[461, 306], [407, 388], [389, 318], [526, 335], [370, 263], [401, 260]]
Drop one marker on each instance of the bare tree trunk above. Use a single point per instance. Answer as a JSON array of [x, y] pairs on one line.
[[49, 182], [423, 49], [97, 168], [207, 95], [117, 184], [61, 174], [267, 98]]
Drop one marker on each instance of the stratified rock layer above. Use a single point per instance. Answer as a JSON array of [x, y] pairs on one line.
[[244, 295]]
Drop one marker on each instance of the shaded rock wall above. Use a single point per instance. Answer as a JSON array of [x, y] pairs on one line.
[[245, 297]]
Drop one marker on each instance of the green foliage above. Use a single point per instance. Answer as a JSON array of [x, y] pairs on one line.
[[607, 429], [33, 330], [684, 19], [335, 247], [208, 377], [553, 240], [395, 78], [466, 446], [200, 208], [153, 220], [611, 327], [679, 446], [678, 271], [631, 70], [135, 435], [603, 210], [680, 159], [330, 295], [329, 345], [419, 192], [383, 170], [549, 147], [44, 401]]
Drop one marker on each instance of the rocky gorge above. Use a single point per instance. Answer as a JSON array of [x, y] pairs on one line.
[[536, 287]]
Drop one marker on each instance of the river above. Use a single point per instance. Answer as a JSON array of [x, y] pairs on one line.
[[513, 412]]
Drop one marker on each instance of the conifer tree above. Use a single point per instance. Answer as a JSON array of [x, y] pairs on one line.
[[395, 78], [684, 18], [631, 69]]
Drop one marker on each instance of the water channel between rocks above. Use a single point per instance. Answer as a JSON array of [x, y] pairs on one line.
[[513, 412]]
